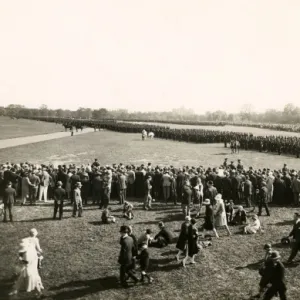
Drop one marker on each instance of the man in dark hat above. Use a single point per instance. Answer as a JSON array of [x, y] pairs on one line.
[[295, 234], [274, 278], [9, 199], [263, 199], [126, 257], [59, 197]]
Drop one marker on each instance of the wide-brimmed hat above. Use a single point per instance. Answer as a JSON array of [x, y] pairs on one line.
[[187, 218], [206, 202], [218, 197], [78, 184], [59, 183], [33, 232], [267, 246]]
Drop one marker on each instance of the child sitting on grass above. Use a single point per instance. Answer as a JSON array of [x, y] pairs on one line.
[[128, 210], [106, 217]]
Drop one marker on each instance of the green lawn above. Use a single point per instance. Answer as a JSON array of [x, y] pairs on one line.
[[81, 254], [18, 128]]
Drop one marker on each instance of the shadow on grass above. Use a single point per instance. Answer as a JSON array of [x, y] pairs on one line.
[[283, 223], [164, 268], [254, 266], [6, 287], [96, 223], [170, 252], [42, 220], [83, 288], [281, 246], [162, 261]]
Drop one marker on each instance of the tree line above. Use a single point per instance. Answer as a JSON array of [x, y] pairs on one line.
[[289, 115]]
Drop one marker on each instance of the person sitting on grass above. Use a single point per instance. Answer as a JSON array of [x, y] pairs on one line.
[[254, 226], [106, 217], [128, 210], [240, 216], [145, 238], [144, 258], [163, 238]]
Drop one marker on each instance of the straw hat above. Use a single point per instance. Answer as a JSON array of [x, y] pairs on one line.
[[206, 202], [218, 197]]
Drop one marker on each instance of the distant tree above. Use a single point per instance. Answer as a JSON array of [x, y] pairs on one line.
[[101, 113], [84, 113], [246, 112]]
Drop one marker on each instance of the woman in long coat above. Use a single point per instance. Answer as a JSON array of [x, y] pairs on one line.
[[183, 237], [26, 184], [192, 243], [220, 213], [209, 219]]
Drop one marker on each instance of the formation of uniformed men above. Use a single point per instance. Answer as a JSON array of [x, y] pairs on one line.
[[273, 144]]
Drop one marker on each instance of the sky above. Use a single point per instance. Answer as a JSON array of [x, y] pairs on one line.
[[153, 55]]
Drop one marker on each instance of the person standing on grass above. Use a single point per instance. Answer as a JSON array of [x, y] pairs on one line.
[[296, 189], [166, 184], [273, 278], [44, 183], [220, 214], [148, 198], [122, 186], [59, 197], [209, 221], [26, 186], [9, 199], [77, 205], [35, 180], [187, 197], [126, 257], [192, 248], [183, 237], [263, 199], [144, 258], [295, 234]]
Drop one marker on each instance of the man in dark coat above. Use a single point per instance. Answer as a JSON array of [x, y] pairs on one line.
[[125, 257], [263, 199], [248, 191], [274, 277], [295, 234], [187, 197], [179, 184], [183, 237], [163, 238], [9, 199], [59, 197], [210, 192], [226, 187]]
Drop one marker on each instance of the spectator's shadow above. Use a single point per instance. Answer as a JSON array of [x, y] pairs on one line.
[[283, 223], [45, 219], [6, 287], [254, 266], [82, 288]]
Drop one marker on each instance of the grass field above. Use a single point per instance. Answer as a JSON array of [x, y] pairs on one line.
[[81, 254], [18, 128]]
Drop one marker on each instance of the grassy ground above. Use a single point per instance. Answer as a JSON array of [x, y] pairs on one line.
[[81, 254], [113, 147], [18, 128]]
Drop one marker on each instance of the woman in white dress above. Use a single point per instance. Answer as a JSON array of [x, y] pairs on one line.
[[29, 279], [254, 226], [220, 213]]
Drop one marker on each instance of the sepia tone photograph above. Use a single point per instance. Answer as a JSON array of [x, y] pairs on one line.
[[149, 150]]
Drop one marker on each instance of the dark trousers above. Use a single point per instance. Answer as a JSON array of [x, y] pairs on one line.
[[273, 290], [248, 200], [295, 249], [127, 270], [122, 196], [33, 191], [105, 199], [265, 205], [58, 207], [8, 210], [97, 196], [130, 190]]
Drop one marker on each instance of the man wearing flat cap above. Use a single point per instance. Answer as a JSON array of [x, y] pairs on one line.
[[126, 257]]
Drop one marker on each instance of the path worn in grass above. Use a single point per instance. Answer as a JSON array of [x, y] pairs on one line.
[[13, 142], [19, 128]]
